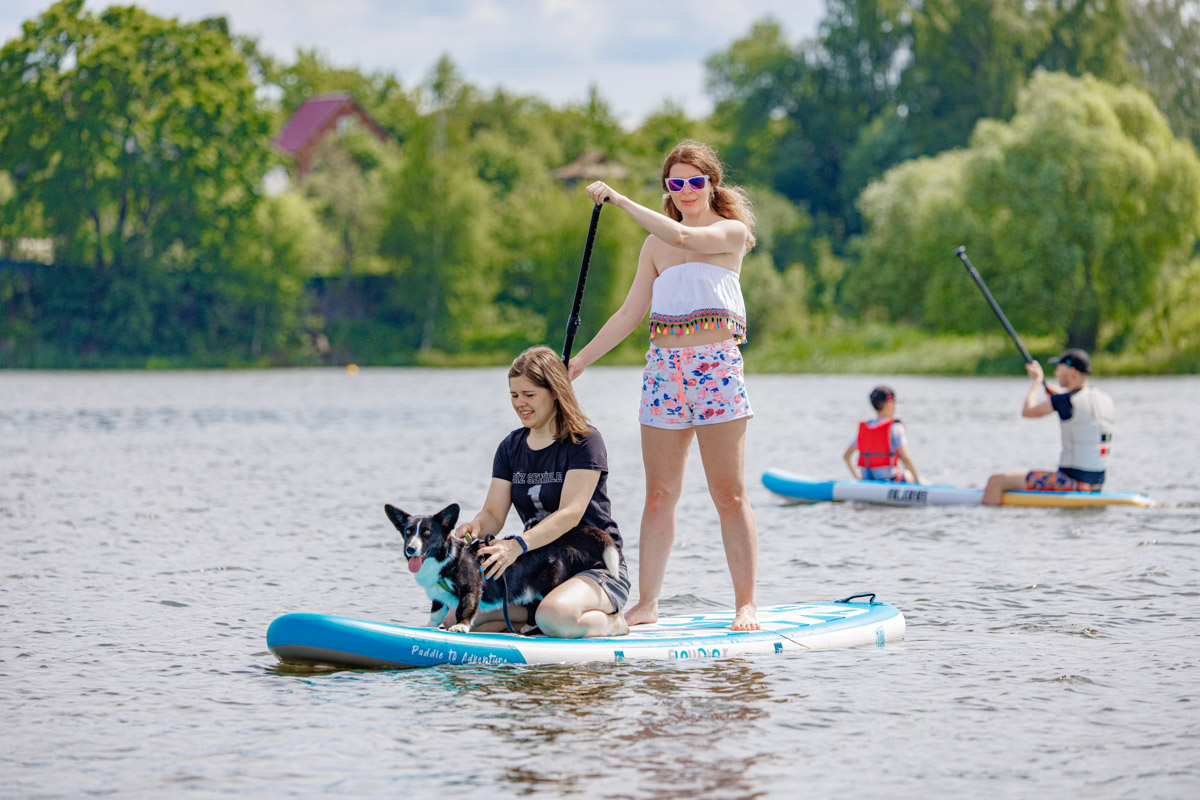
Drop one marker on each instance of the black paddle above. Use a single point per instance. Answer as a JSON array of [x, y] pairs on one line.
[[573, 320], [961, 252]]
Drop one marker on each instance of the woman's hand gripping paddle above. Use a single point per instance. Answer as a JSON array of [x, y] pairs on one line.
[[573, 320], [961, 252]]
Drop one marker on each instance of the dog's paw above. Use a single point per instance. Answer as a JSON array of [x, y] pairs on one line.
[[461, 627]]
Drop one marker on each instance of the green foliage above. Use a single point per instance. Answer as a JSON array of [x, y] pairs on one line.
[[438, 224], [346, 186], [660, 131], [792, 113], [141, 142], [753, 85], [776, 302], [1164, 49], [139, 145], [1166, 336], [135, 134], [19, 218], [915, 218], [888, 80], [1069, 210]]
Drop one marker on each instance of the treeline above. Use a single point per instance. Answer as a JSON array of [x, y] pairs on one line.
[[1056, 139]]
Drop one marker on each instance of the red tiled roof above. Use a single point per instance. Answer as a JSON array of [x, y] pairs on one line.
[[313, 116]]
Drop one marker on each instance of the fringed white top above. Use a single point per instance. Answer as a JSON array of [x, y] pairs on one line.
[[697, 296]]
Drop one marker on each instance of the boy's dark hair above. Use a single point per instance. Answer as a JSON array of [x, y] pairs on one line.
[[880, 395]]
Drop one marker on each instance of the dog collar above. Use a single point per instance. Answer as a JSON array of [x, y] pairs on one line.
[[445, 584]]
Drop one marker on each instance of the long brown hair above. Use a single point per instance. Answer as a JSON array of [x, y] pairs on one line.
[[730, 202], [544, 368]]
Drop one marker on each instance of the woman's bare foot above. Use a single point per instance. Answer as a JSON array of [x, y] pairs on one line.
[[744, 619], [619, 626], [642, 614]]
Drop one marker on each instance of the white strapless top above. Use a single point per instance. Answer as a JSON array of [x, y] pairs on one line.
[[697, 296]]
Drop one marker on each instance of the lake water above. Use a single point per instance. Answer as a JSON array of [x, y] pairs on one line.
[[153, 524]]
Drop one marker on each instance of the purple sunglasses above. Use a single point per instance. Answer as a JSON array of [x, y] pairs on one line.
[[675, 185]]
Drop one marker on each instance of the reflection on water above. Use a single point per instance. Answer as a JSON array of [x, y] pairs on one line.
[[152, 525]]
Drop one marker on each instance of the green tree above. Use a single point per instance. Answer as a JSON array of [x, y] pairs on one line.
[[346, 185], [792, 113], [660, 131], [1164, 47], [263, 290], [1071, 210], [1167, 335], [438, 226], [135, 134], [888, 80], [755, 86], [587, 125], [970, 58], [142, 142]]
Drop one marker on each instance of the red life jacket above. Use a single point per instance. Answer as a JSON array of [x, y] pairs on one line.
[[875, 444]]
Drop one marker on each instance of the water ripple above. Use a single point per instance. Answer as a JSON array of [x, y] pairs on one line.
[[152, 526]]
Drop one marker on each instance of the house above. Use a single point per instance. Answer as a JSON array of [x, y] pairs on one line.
[[591, 165], [318, 116]]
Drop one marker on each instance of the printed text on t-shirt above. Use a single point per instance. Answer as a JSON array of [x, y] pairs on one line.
[[537, 477]]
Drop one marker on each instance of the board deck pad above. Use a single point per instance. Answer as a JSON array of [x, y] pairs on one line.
[[808, 490], [309, 639]]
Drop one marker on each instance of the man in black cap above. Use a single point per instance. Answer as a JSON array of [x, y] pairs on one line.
[[1086, 415]]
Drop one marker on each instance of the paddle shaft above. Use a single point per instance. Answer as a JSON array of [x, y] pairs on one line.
[[573, 320], [961, 252]]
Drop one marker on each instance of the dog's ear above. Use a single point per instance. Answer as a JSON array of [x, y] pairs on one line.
[[398, 517], [448, 516]]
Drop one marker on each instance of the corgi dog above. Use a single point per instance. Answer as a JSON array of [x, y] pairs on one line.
[[447, 567]]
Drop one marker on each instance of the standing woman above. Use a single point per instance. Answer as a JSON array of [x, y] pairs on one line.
[[687, 276]]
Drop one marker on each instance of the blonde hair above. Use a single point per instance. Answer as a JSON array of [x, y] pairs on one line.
[[730, 202], [544, 368]]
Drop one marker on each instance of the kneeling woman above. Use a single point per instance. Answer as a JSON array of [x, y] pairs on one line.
[[554, 469]]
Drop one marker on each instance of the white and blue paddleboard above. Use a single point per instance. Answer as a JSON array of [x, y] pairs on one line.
[[309, 639], [890, 493]]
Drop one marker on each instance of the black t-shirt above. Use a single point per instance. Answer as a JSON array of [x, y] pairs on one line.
[[1061, 403], [537, 477]]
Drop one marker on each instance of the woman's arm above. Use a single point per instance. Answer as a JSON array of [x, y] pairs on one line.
[[722, 236], [577, 489], [625, 319], [490, 519]]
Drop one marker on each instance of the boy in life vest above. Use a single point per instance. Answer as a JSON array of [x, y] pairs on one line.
[[1086, 416], [881, 444]]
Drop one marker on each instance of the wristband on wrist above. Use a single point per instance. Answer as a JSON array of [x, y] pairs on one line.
[[520, 541]]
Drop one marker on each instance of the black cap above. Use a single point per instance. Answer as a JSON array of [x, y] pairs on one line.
[[1075, 358], [880, 395]]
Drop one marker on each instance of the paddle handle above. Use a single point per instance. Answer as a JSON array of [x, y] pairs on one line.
[[573, 321]]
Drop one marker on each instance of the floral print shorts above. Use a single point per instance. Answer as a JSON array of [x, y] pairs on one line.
[[687, 386], [1039, 481]]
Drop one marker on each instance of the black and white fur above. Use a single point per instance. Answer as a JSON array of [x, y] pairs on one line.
[[444, 560]]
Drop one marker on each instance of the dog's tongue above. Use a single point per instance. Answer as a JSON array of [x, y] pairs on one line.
[[414, 563]]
